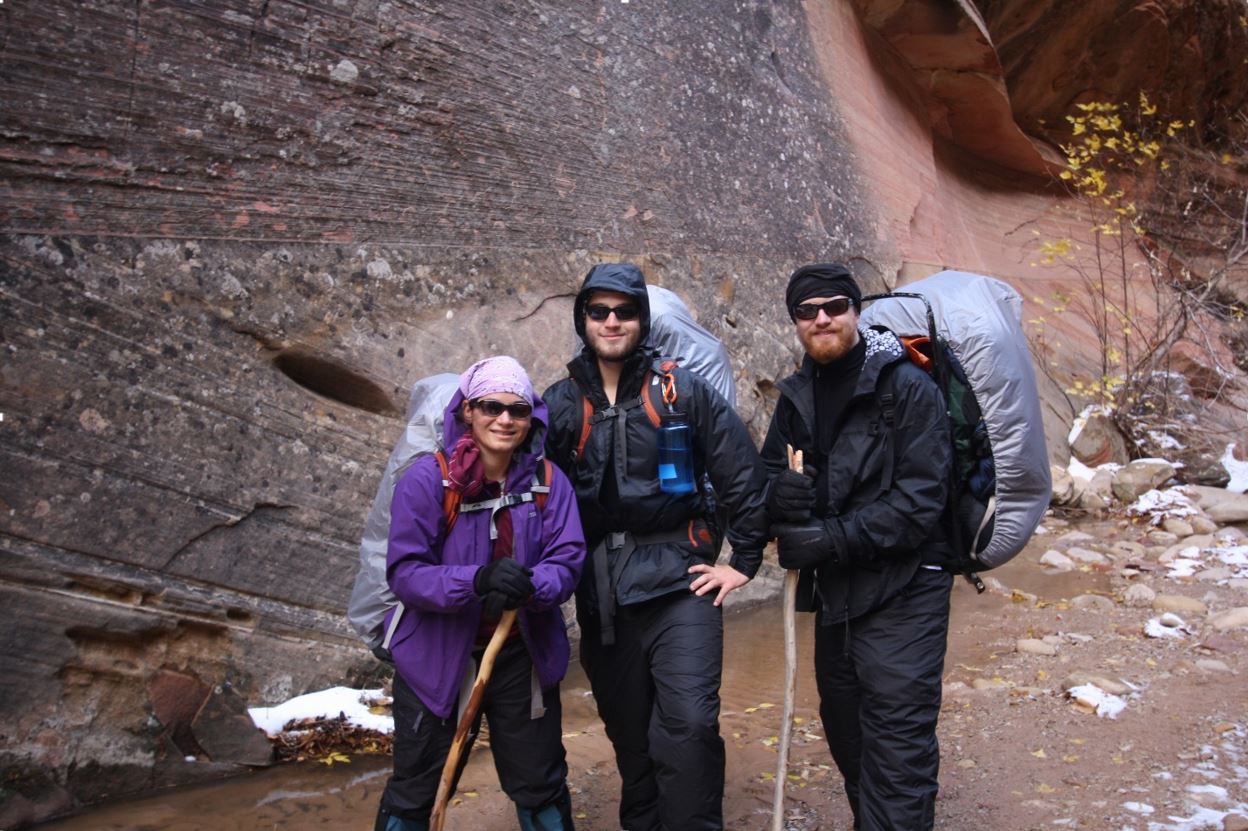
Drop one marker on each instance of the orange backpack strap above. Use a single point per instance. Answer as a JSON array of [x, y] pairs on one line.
[[918, 349], [450, 496]]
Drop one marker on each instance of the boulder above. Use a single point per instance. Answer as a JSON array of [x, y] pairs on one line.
[[1140, 476], [1095, 440]]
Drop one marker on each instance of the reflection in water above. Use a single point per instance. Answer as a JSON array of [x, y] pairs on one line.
[[344, 796]]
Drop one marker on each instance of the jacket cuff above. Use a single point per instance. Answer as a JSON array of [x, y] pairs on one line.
[[840, 544], [746, 562]]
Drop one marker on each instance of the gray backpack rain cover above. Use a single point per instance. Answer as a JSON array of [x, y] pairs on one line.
[[981, 319], [675, 334], [371, 598]]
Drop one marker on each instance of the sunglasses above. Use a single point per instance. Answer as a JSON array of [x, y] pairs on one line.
[[623, 312], [832, 308], [493, 409]]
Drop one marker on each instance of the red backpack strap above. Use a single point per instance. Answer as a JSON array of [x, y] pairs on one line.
[[450, 496], [540, 496], [587, 412]]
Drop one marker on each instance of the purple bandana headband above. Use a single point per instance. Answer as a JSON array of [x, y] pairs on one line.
[[501, 373]]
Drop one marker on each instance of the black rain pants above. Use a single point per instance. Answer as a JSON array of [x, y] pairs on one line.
[[657, 691], [528, 753], [879, 679]]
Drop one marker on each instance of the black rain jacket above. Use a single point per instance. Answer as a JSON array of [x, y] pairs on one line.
[[722, 450], [886, 485]]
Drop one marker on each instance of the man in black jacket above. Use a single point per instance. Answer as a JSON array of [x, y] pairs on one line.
[[649, 598], [865, 524]]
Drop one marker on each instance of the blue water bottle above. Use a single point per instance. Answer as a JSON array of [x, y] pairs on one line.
[[675, 455]]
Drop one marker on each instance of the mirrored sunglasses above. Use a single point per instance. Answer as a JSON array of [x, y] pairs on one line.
[[520, 410], [832, 308], [623, 312]]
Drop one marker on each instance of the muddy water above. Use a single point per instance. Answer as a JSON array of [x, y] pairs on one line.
[[344, 796]]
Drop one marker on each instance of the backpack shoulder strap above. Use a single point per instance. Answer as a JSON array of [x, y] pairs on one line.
[[450, 497]]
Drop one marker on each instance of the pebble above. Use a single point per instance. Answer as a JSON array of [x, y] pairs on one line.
[[1034, 646], [1097, 602], [1139, 595], [1179, 603], [988, 684], [1236, 618], [1212, 575], [1239, 583], [1076, 536], [1212, 665]]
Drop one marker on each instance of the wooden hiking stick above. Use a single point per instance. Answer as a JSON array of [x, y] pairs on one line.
[[470, 713], [790, 675]]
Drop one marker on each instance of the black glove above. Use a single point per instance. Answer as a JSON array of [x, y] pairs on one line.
[[508, 578], [805, 545], [792, 497], [493, 605]]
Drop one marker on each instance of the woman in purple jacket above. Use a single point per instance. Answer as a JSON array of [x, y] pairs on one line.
[[454, 586]]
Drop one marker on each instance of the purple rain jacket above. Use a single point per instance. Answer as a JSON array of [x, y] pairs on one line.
[[433, 577]]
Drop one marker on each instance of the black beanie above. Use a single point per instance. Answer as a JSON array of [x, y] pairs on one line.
[[821, 280]]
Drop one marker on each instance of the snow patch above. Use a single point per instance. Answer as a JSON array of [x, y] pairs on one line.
[[328, 703]]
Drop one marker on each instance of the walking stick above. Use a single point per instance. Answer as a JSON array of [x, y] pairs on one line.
[[790, 676], [470, 713]]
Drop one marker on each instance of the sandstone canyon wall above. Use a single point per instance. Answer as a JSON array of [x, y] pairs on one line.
[[232, 234]]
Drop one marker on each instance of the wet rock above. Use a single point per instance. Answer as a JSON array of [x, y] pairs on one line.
[[1138, 595], [1056, 559], [1180, 528], [1235, 822], [1236, 618], [1085, 555], [1127, 548], [1034, 646], [1159, 537], [1076, 536], [1064, 491], [1231, 536], [227, 733], [1180, 604], [1202, 524], [1140, 476], [1092, 602]]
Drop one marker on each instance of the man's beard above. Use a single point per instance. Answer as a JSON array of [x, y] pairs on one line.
[[614, 351], [826, 350]]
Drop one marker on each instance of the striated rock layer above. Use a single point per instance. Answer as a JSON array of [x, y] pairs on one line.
[[233, 234]]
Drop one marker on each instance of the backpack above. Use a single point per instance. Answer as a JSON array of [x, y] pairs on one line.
[[371, 597], [677, 337], [967, 333]]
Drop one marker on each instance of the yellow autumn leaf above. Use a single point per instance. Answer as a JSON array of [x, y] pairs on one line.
[[1039, 754], [1043, 788]]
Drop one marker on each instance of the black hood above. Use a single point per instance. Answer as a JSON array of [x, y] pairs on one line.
[[624, 278]]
